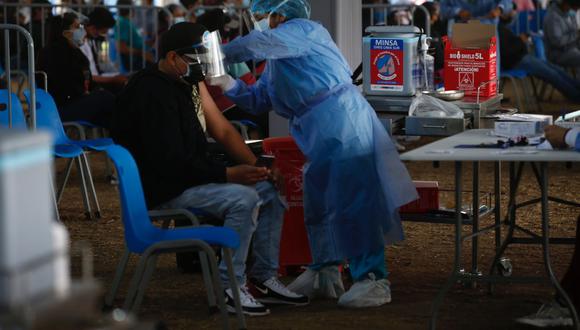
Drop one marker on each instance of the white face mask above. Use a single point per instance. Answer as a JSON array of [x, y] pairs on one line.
[[78, 36], [25, 13], [263, 24]]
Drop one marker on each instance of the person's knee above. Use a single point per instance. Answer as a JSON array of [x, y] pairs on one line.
[[246, 198]]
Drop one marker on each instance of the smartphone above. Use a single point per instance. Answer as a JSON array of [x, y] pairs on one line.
[[265, 161]]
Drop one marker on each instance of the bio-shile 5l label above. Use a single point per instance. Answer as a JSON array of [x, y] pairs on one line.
[[387, 63]]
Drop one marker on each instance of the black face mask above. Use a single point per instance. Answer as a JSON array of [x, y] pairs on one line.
[[195, 73]]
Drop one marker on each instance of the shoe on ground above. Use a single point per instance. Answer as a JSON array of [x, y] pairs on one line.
[[324, 283], [367, 293], [250, 306], [272, 291], [549, 315]]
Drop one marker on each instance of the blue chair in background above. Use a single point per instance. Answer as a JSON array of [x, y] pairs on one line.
[[13, 109], [47, 118], [147, 240]]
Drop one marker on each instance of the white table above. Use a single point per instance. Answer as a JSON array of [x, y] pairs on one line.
[[444, 150]]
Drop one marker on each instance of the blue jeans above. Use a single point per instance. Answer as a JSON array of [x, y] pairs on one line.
[[552, 74], [250, 211]]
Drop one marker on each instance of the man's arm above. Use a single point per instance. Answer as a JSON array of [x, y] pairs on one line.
[[560, 137], [222, 130], [450, 8]]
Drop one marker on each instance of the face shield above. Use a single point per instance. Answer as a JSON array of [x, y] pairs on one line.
[[208, 54]]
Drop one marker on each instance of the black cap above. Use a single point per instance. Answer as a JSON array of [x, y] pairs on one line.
[[101, 18], [181, 37]]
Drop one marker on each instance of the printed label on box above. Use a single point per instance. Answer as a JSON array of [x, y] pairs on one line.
[[387, 59]]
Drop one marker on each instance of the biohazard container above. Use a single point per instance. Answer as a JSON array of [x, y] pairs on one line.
[[294, 247], [390, 60]]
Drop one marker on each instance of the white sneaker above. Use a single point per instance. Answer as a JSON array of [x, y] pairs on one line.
[[325, 283], [549, 315], [250, 306], [367, 293], [272, 291]]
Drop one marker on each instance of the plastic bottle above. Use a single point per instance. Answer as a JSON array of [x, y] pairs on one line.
[[427, 66]]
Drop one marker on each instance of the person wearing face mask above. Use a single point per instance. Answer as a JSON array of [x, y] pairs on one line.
[[162, 118], [354, 181], [514, 56], [561, 33], [100, 21], [69, 78]]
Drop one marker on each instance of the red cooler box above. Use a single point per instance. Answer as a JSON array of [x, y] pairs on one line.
[[294, 246], [428, 198]]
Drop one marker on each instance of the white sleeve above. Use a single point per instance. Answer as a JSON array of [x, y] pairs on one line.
[[571, 136]]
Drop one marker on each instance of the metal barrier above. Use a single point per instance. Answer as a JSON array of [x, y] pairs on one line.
[[6, 28], [379, 14], [237, 13], [128, 53]]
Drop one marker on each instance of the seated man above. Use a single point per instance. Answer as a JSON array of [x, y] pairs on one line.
[[160, 118], [554, 314], [561, 33]]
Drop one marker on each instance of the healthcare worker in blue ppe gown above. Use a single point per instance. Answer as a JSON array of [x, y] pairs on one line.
[[354, 181]]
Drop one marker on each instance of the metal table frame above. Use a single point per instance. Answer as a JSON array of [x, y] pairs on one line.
[[539, 163]]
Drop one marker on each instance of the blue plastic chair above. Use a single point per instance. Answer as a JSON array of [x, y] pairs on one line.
[[18, 119], [47, 118], [147, 240], [50, 119], [519, 79]]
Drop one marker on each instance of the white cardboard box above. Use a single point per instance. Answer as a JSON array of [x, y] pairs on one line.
[[521, 125]]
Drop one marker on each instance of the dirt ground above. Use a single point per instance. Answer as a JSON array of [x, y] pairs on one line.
[[418, 266]]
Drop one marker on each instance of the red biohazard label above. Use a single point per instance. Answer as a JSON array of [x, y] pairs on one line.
[[387, 61]]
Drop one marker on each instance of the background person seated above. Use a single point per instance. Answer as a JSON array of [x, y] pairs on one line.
[[464, 10], [561, 33], [69, 78], [134, 53], [514, 55], [97, 27]]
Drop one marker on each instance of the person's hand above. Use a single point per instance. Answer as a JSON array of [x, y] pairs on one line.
[[225, 82], [525, 38], [494, 13], [247, 174], [556, 135], [278, 180], [464, 15]]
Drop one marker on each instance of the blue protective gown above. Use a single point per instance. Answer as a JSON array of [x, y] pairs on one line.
[[354, 181]]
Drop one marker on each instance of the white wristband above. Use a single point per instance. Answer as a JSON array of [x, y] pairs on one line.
[[571, 136]]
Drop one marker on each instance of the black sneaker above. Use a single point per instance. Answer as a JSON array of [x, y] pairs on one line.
[[272, 291], [250, 306]]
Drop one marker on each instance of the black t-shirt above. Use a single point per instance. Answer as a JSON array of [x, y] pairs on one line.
[[155, 120], [68, 71]]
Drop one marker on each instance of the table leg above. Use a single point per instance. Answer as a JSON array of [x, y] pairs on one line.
[[455, 274], [515, 176], [475, 219], [497, 207], [546, 243]]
